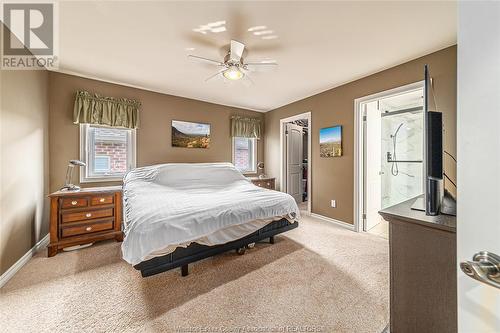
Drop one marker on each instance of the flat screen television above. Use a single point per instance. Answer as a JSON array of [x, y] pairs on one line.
[[435, 199]]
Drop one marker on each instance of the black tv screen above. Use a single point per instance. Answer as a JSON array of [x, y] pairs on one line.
[[433, 146], [435, 199]]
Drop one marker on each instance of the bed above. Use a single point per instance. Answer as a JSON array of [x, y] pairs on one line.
[[179, 213]]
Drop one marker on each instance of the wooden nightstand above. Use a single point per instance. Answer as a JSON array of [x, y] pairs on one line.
[[268, 182], [85, 216]]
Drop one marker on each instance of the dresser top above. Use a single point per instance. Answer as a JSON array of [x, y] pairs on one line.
[[403, 212], [86, 190], [257, 178]]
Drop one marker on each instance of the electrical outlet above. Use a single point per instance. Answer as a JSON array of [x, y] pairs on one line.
[[333, 203]]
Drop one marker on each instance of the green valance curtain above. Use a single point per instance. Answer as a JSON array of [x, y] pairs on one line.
[[115, 112], [245, 127]]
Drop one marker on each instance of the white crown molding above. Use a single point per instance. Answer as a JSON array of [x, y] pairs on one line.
[[23, 260], [334, 221]]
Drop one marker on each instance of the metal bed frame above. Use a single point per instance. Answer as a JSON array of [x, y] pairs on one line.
[[182, 257]]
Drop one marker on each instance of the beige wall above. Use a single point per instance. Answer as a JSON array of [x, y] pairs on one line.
[[333, 178], [153, 136], [24, 114], [26, 97]]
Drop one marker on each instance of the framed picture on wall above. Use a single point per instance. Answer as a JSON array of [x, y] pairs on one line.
[[186, 134], [330, 141]]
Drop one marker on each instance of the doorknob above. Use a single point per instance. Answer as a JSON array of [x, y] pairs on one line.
[[484, 267]]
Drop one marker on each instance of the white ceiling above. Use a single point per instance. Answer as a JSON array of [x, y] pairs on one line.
[[320, 45]]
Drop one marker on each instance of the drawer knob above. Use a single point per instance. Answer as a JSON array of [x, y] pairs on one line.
[[259, 184], [88, 215], [268, 184], [74, 202], [102, 200], [88, 228]]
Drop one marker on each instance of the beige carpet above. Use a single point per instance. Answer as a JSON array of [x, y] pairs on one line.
[[316, 277]]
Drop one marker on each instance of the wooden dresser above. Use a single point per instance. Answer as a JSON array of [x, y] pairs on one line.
[[423, 270], [269, 183], [84, 216]]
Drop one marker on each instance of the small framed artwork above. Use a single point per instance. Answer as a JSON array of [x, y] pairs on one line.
[[186, 134], [330, 141]]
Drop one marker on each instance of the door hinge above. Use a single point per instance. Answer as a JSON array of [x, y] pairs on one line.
[[364, 118], [364, 216]]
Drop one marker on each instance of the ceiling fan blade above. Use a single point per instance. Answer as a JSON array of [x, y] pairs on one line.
[[213, 76], [247, 80], [198, 58], [262, 63], [236, 50], [260, 66]]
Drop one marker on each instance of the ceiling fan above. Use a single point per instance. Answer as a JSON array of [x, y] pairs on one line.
[[233, 67]]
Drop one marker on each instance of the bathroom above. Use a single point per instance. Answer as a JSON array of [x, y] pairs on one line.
[[393, 152]]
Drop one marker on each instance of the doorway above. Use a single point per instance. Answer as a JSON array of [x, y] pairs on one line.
[[295, 166], [389, 158]]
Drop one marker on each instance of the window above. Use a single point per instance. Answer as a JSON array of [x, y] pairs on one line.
[[245, 154], [102, 163], [108, 152]]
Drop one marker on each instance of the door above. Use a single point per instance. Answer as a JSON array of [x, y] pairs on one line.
[[478, 152], [373, 158], [294, 161]]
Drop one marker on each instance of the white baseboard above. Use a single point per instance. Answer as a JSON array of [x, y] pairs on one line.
[[337, 222], [23, 260], [305, 213]]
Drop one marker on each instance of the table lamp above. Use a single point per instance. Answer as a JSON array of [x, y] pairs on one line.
[[68, 185]]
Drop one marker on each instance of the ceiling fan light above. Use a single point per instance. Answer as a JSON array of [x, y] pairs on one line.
[[233, 73]]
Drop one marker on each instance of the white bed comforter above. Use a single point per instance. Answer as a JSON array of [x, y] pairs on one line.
[[171, 205]]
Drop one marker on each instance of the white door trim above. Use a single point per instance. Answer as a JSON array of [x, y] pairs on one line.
[[305, 115], [358, 145]]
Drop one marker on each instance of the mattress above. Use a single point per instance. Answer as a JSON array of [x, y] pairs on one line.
[[172, 205]]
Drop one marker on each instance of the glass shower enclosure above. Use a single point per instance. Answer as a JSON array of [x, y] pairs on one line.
[[392, 154], [402, 155], [402, 148]]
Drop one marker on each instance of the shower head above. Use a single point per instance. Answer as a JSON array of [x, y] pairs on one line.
[[397, 130]]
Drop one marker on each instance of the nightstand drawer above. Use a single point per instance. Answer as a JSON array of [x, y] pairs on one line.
[[106, 199], [264, 183], [87, 228], [86, 215], [74, 202]]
